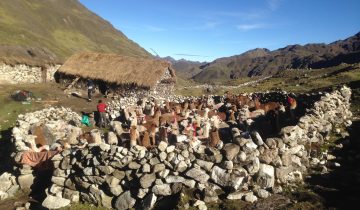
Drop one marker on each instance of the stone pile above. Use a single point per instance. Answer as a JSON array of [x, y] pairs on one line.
[[8, 185], [57, 123], [247, 168], [25, 74]]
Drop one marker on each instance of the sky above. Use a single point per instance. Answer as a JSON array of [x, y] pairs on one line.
[[203, 30]]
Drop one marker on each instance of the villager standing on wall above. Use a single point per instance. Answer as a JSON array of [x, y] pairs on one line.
[[101, 108], [90, 88]]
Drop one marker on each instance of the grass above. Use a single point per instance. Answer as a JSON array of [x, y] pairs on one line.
[[54, 25], [297, 81]]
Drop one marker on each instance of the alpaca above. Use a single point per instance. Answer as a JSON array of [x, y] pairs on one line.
[[112, 138], [145, 141], [232, 116], [117, 127], [134, 136], [267, 106], [215, 121], [214, 137], [152, 133], [163, 134]]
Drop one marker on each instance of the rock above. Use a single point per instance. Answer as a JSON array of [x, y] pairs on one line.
[[228, 165], [124, 201], [116, 190], [249, 147], [134, 165], [52, 202], [198, 175], [235, 196], [158, 168], [147, 180], [119, 174], [250, 197], [146, 168], [268, 156], [170, 149], [58, 180], [261, 193], [72, 195], [255, 136], [162, 146], [198, 202], [26, 181], [162, 189], [174, 179], [220, 177], [181, 166], [254, 166], [204, 164], [189, 183], [149, 201], [231, 150]]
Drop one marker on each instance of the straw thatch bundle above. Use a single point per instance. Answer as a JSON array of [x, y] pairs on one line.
[[118, 69]]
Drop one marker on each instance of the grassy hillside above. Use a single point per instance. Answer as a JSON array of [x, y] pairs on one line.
[[62, 27]]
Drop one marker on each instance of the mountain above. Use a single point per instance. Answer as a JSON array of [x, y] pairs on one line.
[[265, 62], [61, 27], [184, 68]]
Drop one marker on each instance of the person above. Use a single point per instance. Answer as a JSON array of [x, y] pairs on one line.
[[91, 88], [101, 108]]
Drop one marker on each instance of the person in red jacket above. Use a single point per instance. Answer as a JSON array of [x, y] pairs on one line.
[[101, 108]]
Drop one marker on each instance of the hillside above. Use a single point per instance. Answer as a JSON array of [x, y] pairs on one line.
[[265, 62], [60, 28]]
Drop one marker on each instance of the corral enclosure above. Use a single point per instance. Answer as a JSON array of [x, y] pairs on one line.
[[244, 167]]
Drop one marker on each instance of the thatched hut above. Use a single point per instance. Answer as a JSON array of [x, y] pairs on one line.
[[117, 70]]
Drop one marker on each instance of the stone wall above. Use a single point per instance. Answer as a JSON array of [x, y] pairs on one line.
[[26, 74], [247, 168]]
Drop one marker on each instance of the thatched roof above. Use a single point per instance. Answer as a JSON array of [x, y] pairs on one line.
[[31, 56], [116, 69]]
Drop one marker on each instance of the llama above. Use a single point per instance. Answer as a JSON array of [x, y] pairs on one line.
[[145, 141], [112, 138], [134, 136], [152, 133], [214, 137]]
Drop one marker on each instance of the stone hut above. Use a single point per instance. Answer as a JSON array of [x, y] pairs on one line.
[[118, 72], [20, 64]]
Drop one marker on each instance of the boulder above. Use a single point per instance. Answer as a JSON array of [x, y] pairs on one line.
[[52, 202], [231, 150], [124, 201]]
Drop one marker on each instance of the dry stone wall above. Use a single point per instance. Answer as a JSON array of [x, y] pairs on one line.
[[25, 74], [247, 168]]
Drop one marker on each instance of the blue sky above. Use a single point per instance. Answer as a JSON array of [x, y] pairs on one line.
[[204, 30]]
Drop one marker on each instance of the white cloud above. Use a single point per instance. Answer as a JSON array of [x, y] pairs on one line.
[[248, 27]]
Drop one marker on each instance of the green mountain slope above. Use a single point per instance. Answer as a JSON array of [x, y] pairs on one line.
[[62, 27]]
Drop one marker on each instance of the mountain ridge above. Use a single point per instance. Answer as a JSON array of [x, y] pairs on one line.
[[263, 62]]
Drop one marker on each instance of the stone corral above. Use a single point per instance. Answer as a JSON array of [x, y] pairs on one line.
[[248, 168], [26, 74]]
